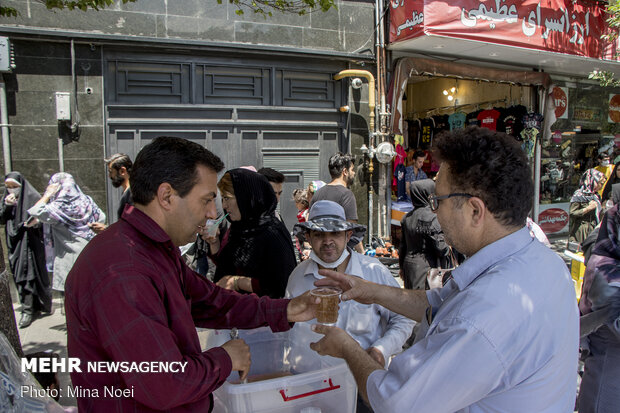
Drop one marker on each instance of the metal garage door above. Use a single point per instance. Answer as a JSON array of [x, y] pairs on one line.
[[282, 114]]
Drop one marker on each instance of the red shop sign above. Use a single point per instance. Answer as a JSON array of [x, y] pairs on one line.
[[552, 220], [561, 102], [562, 26]]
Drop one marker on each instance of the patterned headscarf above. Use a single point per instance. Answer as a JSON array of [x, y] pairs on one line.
[[71, 207], [588, 181]]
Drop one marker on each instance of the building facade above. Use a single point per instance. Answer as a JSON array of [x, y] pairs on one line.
[[255, 90]]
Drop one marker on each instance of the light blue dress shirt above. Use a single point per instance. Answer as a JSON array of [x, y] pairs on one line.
[[370, 325], [503, 338]]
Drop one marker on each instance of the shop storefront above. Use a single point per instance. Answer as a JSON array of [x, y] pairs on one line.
[[516, 67], [587, 124]]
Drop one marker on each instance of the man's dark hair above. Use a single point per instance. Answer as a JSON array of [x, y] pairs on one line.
[[492, 166], [338, 163], [418, 154], [272, 175], [118, 160], [171, 160]]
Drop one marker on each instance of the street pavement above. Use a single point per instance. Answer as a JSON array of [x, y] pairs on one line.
[[48, 333]]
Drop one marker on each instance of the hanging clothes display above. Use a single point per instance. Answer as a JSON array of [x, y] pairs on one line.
[[426, 133], [457, 120], [488, 119]]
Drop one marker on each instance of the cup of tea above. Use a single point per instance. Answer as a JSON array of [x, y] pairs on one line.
[[327, 310]]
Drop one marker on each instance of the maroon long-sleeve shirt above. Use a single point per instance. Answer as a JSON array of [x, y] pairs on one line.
[[130, 297]]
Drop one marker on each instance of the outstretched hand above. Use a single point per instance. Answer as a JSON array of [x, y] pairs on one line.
[[354, 288], [333, 343], [302, 307], [97, 227]]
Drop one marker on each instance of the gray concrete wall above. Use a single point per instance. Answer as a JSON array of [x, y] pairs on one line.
[[44, 68], [348, 28]]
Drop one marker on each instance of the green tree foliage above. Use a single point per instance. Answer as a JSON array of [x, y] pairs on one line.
[[606, 78], [263, 7]]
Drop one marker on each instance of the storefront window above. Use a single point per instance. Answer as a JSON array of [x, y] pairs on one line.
[[588, 124]]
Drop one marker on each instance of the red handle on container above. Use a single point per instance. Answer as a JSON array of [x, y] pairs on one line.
[[299, 396]]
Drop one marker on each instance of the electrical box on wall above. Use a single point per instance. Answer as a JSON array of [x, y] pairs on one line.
[[7, 61], [63, 106]]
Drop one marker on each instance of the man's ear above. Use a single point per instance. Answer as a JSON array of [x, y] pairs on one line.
[[478, 210], [164, 195], [349, 234], [122, 171]]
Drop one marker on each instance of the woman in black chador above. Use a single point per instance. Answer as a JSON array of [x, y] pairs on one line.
[[257, 254], [25, 248], [422, 245]]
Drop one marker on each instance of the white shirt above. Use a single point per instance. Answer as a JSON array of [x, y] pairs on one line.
[[371, 325], [503, 338]]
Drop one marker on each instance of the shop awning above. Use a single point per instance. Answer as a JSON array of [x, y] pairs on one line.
[[465, 36], [556, 36], [407, 67]]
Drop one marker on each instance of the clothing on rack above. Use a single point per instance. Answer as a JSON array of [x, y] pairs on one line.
[[426, 133], [457, 120], [488, 118]]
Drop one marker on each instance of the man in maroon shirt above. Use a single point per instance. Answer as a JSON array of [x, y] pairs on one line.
[[131, 298]]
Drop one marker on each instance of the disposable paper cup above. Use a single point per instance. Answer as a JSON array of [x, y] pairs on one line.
[[327, 311], [434, 276], [211, 227]]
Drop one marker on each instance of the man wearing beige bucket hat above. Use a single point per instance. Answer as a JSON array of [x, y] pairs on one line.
[[378, 330]]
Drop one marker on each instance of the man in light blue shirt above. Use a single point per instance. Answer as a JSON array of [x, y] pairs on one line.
[[502, 333]]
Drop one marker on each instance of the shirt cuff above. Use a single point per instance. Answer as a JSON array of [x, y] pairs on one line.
[[386, 357], [276, 312], [223, 359], [433, 297]]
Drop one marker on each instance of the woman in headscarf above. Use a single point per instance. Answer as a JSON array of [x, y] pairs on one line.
[[585, 206], [422, 245], [600, 305], [257, 256], [25, 248], [69, 212]]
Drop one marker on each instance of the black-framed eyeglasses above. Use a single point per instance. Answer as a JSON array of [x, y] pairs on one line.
[[434, 199]]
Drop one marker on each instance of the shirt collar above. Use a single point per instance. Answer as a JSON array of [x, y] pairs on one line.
[[144, 224], [481, 261], [354, 267]]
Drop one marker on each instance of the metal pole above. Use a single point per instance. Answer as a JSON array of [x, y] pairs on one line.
[[4, 118], [61, 156], [537, 157]]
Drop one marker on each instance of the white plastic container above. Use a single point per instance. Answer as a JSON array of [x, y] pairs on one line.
[[320, 382]]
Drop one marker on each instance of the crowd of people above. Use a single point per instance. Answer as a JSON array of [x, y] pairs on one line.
[[498, 329]]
